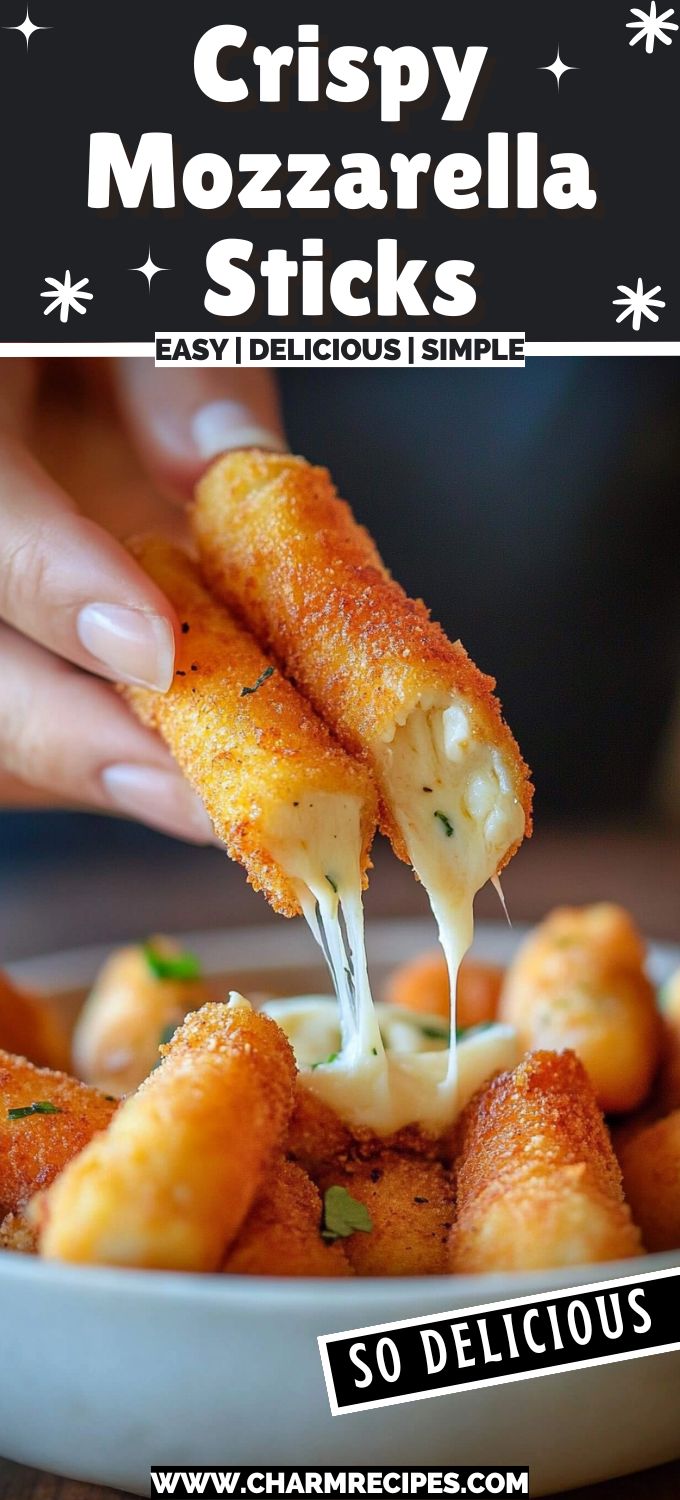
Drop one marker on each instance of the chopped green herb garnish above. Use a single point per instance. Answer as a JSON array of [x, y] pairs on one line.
[[343, 1214], [332, 884], [446, 824], [325, 1060], [268, 672], [172, 965], [374, 1050], [40, 1107], [435, 1033], [168, 1033]]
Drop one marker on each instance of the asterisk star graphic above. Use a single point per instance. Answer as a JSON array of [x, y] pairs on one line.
[[651, 26], [27, 28], [66, 295], [637, 304], [149, 269], [558, 68]]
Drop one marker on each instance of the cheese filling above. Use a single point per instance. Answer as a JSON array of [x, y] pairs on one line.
[[453, 798], [404, 1083]]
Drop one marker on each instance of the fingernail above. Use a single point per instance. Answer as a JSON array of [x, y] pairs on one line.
[[134, 644], [162, 798], [226, 424]]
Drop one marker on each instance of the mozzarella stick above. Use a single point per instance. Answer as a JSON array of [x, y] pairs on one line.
[[139, 998], [169, 1184], [282, 1234], [537, 1182], [289, 803], [45, 1119], [29, 1028], [650, 1162], [287, 555]]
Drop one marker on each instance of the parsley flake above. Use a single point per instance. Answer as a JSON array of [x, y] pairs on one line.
[[343, 1214], [323, 1062], [332, 884], [40, 1107], [268, 672], [172, 965], [447, 825]]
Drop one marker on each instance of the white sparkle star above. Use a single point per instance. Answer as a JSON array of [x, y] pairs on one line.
[[558, 68], [149, 269], [638, 304], [651, 26], [27, 28], [66, 295]]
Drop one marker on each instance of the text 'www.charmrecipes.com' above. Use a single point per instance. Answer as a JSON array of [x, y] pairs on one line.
[[419, 350]]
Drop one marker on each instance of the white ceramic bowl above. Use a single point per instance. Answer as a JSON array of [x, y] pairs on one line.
[[106, 1372]]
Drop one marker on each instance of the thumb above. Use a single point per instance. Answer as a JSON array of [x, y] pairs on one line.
[[179, 420]]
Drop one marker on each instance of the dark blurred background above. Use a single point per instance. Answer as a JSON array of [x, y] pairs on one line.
[[538, 514]]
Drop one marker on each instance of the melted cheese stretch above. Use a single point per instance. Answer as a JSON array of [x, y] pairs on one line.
[[453, 798], [317, 841], [406, 1080]]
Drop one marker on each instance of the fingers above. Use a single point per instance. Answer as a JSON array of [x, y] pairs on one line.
[[181, 419], [71, 586], [66, 731]]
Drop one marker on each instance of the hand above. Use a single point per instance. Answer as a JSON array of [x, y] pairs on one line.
[[76, 612]]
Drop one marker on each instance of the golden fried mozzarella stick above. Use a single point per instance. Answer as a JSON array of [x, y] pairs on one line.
[[45, 1119], [282, 550], [170, 1182], [650, 1162], [29, 1028], [410, 1205], [282, 1233], [578, 981], [537, 1182], [289, 803], [139, 998]]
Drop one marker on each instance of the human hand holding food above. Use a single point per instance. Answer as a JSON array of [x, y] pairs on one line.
[[76, 611]]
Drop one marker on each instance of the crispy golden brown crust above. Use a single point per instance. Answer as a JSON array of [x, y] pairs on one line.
[[537, 1182], [650, 1162], [244, 754], [37, 1147], [287, 555], [578, 981], [282, 1233], [170, 1183], [29, 1028], [321, 1142], [410, 1203]]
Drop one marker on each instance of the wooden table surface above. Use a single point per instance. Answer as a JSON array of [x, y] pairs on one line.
[[642, 870]]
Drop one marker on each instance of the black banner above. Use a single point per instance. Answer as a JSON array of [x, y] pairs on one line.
[[504, 1341], [532, 147]]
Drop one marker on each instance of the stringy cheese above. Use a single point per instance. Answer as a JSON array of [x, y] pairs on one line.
[[453, 798]]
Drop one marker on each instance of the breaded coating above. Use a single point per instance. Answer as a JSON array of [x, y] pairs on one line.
[[170, 1183], [410, 1202], [578, 981], [286, 553], [30, 1028], [650, 1162], [282, 1233], [320, 1142], [16, 1234], [537, 1182], [317, 1137], [35, 1147], [131, 1009], [422, 985], [265, 766]]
